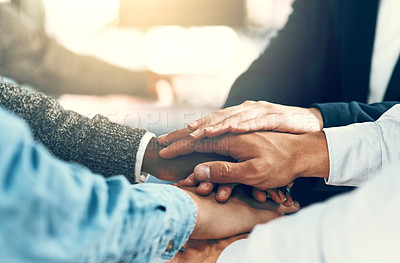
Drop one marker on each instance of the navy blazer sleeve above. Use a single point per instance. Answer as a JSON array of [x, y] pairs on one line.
[[340, 113]]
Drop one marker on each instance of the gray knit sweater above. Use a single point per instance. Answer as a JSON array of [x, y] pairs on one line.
[[99, 144]]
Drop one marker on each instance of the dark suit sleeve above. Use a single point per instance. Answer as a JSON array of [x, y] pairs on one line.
[[279, 74], [341, 114]]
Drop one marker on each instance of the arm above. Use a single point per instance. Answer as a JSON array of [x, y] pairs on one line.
[[341, 113], [99, 144], [360, 151], [344, 155], [356, 227], [58, 212], [45, 64], [281, 73]]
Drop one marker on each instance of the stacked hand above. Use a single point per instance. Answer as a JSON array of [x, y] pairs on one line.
[[251, 116], [265, 159], [238, 215], [218, 225], [176, 168]]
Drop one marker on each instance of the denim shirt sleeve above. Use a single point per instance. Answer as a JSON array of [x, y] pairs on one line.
[[52, 211]]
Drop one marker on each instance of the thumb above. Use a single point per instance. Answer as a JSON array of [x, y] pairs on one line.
[[221, 172]]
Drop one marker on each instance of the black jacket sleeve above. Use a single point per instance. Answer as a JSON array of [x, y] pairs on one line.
[[281, 73], [341, 114]]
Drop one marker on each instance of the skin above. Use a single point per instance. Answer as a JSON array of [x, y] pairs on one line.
[[204, 251], [250, 116], [174, 169], [264, 158], [179, 168], [215, 220]]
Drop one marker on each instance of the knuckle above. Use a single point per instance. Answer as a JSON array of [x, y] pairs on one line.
[[263, 103], [224, 171], [248, 102]]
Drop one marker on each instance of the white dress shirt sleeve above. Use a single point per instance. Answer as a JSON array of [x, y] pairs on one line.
[[361, 226], [360, 151], [141, 177]]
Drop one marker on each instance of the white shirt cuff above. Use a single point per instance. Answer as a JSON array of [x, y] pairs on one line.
[[354, 153], [141, 177]]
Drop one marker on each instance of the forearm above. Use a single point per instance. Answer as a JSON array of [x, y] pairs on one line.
[[349, 155], [58, 212], [360, 151], [279, 74], [99, 144], [344, 229], [341, 113]]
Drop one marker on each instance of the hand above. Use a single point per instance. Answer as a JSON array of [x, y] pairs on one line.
[[251, 116], [238, 215], [177, 168], [279, 195], [265, 159], [180, 167], [204, 251]]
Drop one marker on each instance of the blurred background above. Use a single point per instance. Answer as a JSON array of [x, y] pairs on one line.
[[193, 49]]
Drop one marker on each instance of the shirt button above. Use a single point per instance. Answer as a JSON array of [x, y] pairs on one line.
[[170, 246]]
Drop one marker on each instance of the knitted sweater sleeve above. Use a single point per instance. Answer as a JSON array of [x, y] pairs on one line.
[[97, 143]]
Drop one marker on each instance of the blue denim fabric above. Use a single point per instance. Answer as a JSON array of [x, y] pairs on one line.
[[52, 211]]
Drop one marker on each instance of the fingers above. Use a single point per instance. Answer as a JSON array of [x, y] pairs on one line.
[[259, 195], [214, 118], [273, 206], [188, 181], [187, 146], [174, 136], [205, 188], [277, 195], [219, 122], [224, 192], [175, 149], [223, 172], [282, 209], [289, 200], [223, 126]]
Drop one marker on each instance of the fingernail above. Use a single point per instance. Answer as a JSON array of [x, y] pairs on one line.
[[203, 186], [221, 193], [203, 173], [289, 199], [188, 181], [162, 137], [195, 133], [193, 124], [282, 195], [162, 151], [296, 204]]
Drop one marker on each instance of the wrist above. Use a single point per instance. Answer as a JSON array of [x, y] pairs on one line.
[[318, 116], [314, 160], [194, 198], [151, 157]]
